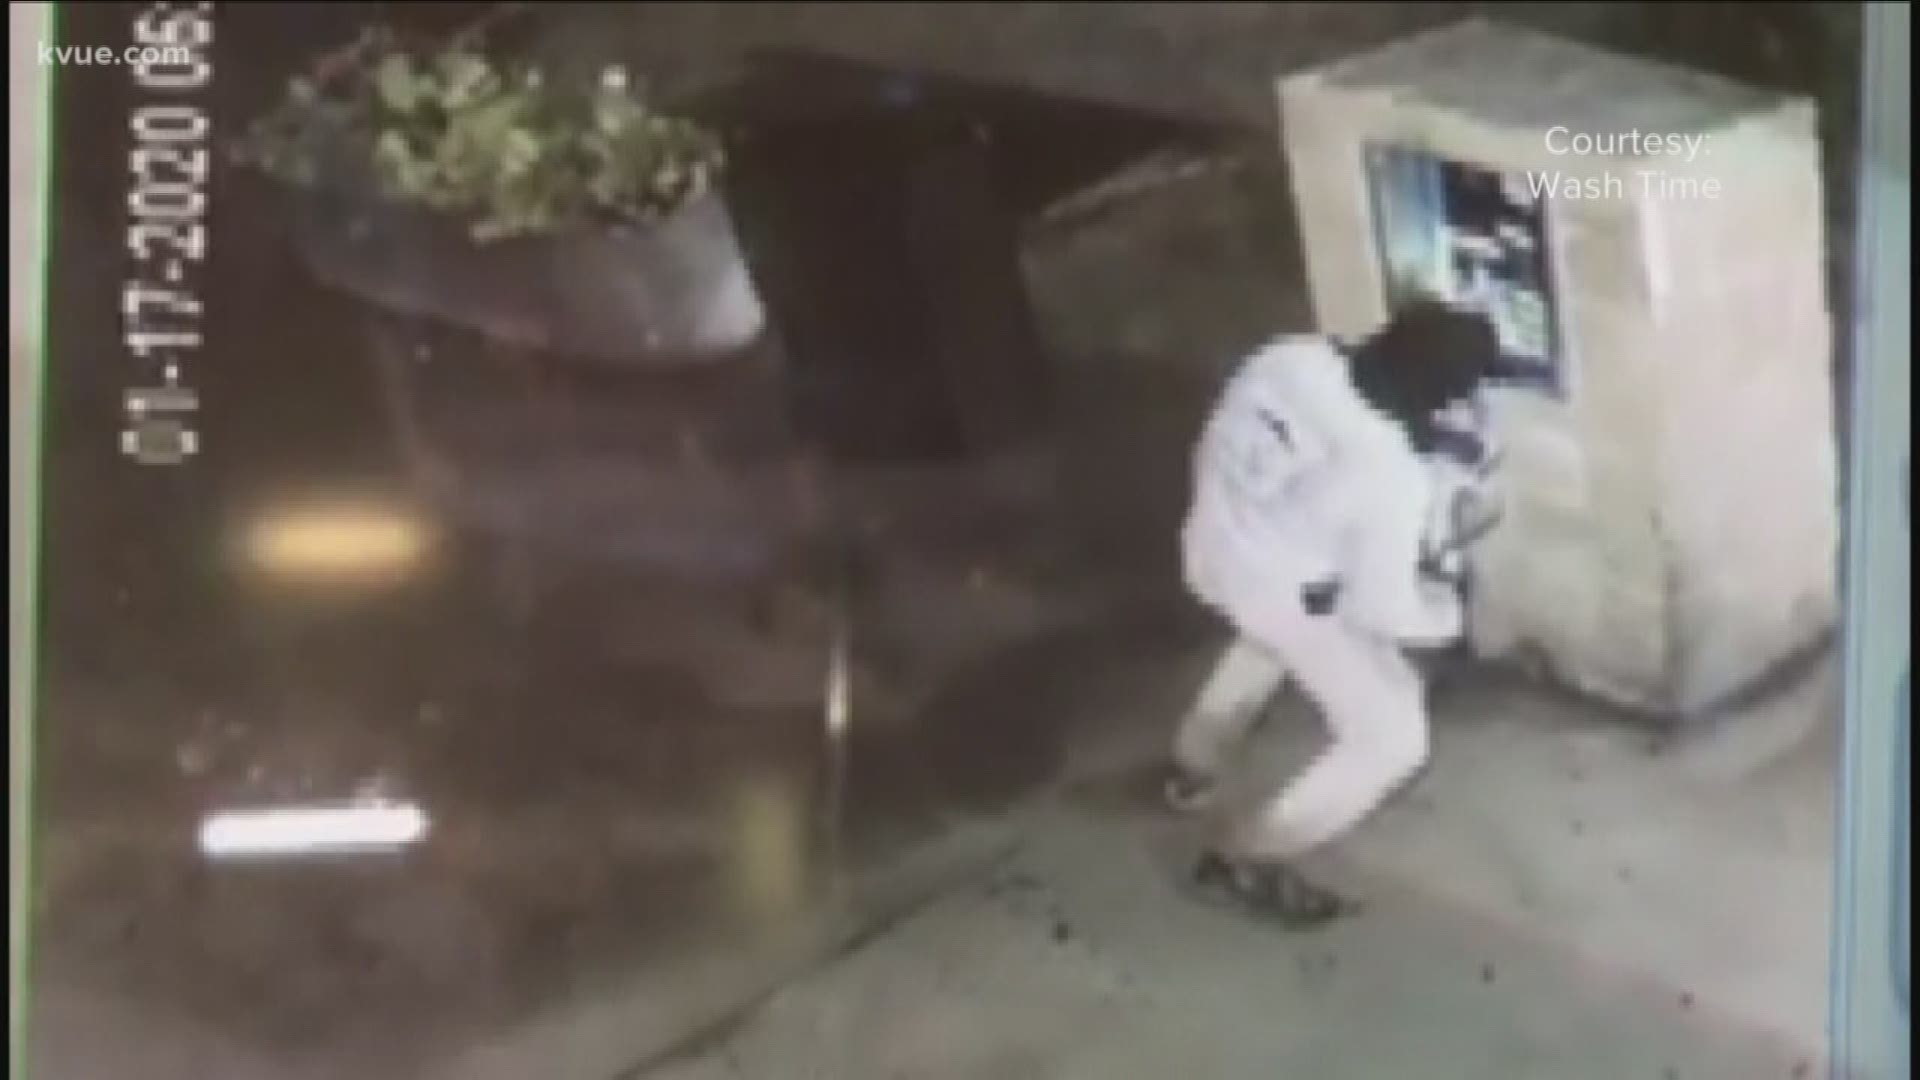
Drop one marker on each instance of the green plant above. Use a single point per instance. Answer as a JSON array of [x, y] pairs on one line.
[[498, 145]]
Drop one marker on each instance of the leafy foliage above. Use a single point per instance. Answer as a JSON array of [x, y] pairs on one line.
[[497, 145]]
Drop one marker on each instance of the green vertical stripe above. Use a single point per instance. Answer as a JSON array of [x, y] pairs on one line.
[[28, 398]]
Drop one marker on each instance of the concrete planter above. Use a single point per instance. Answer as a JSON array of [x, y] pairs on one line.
[[593, 398], [673, 295]]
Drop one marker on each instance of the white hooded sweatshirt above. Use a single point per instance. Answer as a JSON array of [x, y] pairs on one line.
[[1299, 481]]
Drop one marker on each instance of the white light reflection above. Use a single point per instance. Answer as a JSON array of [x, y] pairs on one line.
[[839, 686], [839, 718], [311, 830]]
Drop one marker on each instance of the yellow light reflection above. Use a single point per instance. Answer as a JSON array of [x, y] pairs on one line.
[[769, 846], [338, 540]]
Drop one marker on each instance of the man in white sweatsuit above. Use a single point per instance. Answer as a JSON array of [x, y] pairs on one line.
[[1323, 528]]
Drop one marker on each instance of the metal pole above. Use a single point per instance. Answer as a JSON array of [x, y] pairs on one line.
[[1870, 1024]]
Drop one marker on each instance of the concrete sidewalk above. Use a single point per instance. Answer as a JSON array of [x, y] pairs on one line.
[[1553, 899], [1550, 901]]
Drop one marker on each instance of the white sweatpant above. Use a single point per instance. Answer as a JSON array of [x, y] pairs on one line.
[[1372, 699]]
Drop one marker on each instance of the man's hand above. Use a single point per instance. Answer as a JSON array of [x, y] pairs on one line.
[[1445, 618], [1320, 597], [1464, 515], [1445, 567]]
